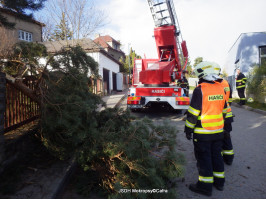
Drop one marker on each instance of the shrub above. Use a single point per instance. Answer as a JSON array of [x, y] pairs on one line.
[[256, 83]]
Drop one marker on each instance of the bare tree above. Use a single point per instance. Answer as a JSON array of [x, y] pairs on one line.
[[48, 29], [83, 17]]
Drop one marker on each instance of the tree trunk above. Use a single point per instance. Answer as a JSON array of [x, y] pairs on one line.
[[21, 86]]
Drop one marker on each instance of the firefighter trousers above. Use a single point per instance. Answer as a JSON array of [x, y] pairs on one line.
[[210, 163], [241, 94], [228, 152]]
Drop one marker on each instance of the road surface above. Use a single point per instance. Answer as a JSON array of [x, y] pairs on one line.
[[246, 177]]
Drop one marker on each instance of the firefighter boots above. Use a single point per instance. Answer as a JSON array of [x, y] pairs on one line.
[[218, 187], [197, 189], [228, 162]]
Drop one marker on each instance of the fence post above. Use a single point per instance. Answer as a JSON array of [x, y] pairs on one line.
[[2, 113]]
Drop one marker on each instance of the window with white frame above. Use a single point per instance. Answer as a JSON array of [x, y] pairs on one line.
[[24, 35]]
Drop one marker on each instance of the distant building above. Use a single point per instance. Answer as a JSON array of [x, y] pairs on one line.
[[111, 79], [26, 29], [248, 50], [111, 46]]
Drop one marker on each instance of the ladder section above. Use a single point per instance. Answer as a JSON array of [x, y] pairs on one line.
[[164, 14], [160, 12]]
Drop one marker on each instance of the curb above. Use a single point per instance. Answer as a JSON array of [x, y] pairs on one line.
[[120, 101], [68, 174], [262, 112], [72, 167]]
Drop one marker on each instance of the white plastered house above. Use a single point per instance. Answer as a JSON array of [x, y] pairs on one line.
[[111, 79]]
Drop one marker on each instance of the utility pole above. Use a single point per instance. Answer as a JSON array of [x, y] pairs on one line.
[[129, 63]]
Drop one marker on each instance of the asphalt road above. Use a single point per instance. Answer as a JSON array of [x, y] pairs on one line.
[[246, 177]]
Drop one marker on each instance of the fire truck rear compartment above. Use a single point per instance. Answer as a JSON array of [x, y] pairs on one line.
[[160, 101]]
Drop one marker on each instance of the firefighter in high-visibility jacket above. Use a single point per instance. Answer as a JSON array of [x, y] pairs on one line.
[[183, 83], [205, 120], [227, 150], [240, 87]]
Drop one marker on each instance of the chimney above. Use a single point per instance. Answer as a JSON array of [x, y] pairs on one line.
[[97, 35]]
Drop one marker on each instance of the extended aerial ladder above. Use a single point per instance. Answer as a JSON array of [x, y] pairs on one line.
[[155, 80], [163, 14]]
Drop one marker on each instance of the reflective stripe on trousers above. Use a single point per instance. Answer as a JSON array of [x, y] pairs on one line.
[[206, 179], [218, 174], [241, 86], [228, 152]]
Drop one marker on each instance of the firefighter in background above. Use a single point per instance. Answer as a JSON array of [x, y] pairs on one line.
[[184, 83], [227, 150], [205, 120], [240, 86]]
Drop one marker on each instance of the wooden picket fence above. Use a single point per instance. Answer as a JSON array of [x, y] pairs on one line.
[[20, 109], [96, 85]]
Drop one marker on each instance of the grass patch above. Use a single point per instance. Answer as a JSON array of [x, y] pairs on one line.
[[255, 104], [192, 87]]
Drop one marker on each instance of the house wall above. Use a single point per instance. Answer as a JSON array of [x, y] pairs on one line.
[[246, 50], [103, 62], [33, 28], [115, 54], [110, 65], [106, 63], [95, 56]]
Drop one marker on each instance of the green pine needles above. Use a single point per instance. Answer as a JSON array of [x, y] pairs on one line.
[[68, 108], [129, 158], [121, 157]]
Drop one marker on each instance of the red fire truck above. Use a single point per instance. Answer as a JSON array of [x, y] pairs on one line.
[[157, 80]]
